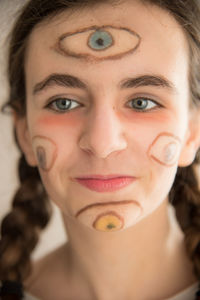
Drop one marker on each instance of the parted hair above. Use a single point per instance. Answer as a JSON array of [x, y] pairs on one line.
[[31, 210]]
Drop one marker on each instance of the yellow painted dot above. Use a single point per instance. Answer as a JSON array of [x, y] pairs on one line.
[[108, 222]]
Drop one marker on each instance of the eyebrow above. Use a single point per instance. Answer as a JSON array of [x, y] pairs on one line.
[[65, 80], [68, 80], [148, 80]]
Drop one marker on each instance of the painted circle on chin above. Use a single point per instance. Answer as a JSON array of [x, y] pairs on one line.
[[46, 152], [110, 216], [165, 149]]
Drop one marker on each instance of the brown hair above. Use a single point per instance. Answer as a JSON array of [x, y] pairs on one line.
[[30, 207]]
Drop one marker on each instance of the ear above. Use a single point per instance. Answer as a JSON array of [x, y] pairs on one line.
[[192, 140], [24, 140]]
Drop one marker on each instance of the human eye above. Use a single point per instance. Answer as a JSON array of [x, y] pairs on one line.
[[62, 104], [143, 104]]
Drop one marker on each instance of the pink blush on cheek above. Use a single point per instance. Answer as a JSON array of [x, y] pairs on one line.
[[46, 152], [165, 149], [58, 120]]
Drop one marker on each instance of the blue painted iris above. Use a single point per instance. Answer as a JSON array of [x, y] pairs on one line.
[[100, 40]]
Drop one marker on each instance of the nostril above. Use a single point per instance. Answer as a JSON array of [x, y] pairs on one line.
[[104, 148], [103, 136]]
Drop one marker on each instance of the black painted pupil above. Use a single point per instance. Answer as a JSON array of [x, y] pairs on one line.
[[110, 226], [100, 42]]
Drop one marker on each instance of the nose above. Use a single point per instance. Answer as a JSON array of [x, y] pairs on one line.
[[103, 133]]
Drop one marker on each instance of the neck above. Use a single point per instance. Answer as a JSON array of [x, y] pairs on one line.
[[136, 255]]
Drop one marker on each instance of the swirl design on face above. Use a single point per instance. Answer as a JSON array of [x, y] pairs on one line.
[[98, 43]]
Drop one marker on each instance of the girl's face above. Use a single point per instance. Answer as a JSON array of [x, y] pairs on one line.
[[107, 111]]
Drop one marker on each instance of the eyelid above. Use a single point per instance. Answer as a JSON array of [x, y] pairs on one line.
[[61, 96]]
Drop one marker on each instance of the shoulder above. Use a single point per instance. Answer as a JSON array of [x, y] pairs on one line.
[[188, 293], [48, 272]]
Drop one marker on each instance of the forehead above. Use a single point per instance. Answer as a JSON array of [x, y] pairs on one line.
[[163, 42]]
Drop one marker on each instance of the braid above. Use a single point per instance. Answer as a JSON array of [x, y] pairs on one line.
[[185, 196], [20, 228]]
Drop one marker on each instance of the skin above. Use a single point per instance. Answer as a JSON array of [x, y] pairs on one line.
[[104, 135]]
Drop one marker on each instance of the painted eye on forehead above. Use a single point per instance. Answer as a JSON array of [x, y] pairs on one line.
[[98, 43]]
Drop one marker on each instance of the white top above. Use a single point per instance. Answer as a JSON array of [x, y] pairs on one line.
[[187, 294]]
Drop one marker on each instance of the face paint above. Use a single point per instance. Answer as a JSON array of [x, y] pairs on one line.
[[165, 149], [98, 43], [100, 40], [111, 216], [41, 157], [109, 221], [46, 152]]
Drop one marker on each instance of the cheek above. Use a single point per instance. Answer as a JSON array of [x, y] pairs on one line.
[[56, 121], [51, 136], [150, 136], [155, 147]]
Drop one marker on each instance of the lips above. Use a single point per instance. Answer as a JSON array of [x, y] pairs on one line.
[[109, 183]]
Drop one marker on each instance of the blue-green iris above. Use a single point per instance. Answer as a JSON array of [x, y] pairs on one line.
[[100, 40]]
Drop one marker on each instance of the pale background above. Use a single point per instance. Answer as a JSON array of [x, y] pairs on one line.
[[54, 234]]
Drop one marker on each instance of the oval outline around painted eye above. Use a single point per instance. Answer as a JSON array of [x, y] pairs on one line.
[[132, 44]]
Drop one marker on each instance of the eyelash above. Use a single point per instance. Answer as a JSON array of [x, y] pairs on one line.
[[53, 104]]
